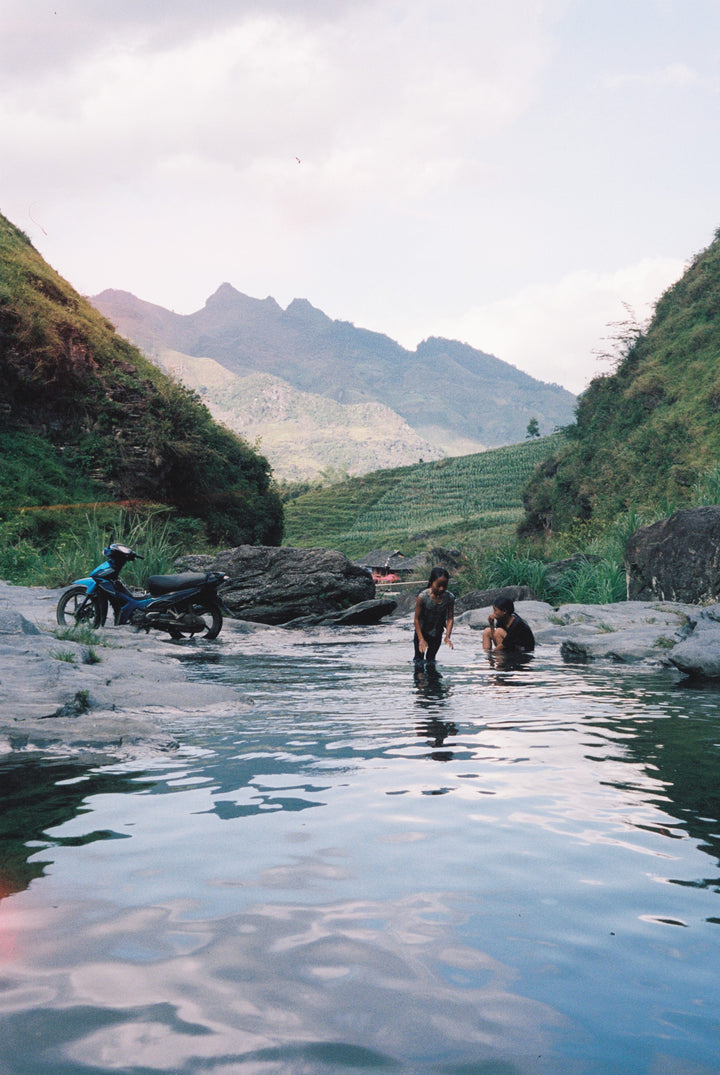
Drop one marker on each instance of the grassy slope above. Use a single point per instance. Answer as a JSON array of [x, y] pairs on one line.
[[645, 434], [87, 417], [475, 497]]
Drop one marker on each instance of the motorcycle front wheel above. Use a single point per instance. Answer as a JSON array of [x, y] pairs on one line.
[[77, 606], [212, 616]]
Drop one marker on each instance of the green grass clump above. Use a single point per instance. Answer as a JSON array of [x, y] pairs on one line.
[[66, 655], [79, 632]]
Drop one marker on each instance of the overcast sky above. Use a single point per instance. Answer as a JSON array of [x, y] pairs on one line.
[[515, 174]]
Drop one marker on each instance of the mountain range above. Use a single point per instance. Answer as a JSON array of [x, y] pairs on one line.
[[316, 394]]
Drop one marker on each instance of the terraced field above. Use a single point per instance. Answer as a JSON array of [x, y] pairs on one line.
[[473, 497]]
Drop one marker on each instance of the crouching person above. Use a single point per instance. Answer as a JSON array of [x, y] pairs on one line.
[[507, 631]]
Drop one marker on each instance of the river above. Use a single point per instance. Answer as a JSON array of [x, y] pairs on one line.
[[361, 868]]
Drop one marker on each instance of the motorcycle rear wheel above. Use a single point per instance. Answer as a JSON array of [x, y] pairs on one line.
[[212, 616], [77, 606]]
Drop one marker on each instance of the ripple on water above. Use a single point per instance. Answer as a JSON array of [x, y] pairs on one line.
[[492, 869]]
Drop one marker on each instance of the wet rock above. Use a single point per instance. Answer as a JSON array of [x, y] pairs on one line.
[[364, 614], [676, 559], [117, 705], [536, 613], [486, 598], [276, 585], [699, 654], [626, 631]]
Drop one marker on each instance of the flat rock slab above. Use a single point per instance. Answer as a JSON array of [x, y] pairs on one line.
[[109, 698], [699, 654], [364, 614], [627, 631]]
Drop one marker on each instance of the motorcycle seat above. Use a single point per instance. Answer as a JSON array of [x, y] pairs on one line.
[[160, 584]]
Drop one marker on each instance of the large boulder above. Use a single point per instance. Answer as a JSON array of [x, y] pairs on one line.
[[676, 559], [276, 585]]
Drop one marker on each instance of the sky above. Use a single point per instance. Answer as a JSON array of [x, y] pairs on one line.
[[527, 176]]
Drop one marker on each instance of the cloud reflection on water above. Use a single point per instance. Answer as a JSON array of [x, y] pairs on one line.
[[277, 986]]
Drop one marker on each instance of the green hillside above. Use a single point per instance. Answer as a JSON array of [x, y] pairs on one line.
[[475, 498], [87, 418], [647, 434]]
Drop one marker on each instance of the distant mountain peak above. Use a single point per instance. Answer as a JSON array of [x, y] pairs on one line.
[[229, 300], [302, 310]]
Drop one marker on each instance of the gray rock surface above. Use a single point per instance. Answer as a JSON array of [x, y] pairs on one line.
[[676, 559], [276, 585], [113, 697], [699, 653], [363, 614], [485, 598], [627, 631], [122, 695]]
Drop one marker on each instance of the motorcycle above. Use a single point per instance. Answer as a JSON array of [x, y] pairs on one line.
[[185, 604]]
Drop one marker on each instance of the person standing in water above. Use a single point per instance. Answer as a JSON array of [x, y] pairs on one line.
[[434, 613]]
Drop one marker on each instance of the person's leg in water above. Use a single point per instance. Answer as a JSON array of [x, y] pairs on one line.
[[433, 647]]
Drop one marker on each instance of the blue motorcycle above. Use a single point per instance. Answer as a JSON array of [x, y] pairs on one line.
[[186, 604]]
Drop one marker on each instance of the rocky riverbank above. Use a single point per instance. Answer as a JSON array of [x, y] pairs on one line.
[[111, 697], [682, 636], [119, 695]]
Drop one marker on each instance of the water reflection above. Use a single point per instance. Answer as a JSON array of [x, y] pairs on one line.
[[678, 747], [432, 692], [37, 795], [431, 687], [301, 892]]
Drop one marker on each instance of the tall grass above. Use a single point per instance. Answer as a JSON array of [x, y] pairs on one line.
[[586, 579], [151, 536], [75, 546], [706, 490]]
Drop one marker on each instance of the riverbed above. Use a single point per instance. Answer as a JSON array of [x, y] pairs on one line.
[[347, 865]]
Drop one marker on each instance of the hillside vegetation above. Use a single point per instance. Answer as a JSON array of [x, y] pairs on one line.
[[87, 419], [475, 499], [647, 436]]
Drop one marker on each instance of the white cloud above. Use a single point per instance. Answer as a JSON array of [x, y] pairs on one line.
[[558, 331], [455, 155], [673, 76]]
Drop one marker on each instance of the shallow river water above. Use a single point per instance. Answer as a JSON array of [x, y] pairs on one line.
[[498, 870]]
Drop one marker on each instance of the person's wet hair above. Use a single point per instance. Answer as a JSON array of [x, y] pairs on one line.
[[438, 573], [504, 604]]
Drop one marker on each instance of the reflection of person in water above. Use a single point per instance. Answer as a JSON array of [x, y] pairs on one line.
[[434, 613], [432, 695], [507, 632], [437, 731]]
